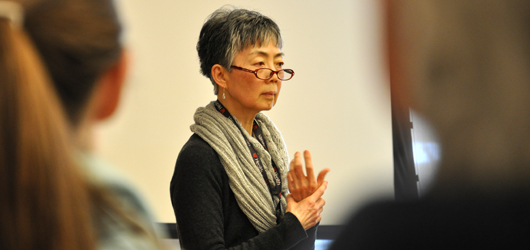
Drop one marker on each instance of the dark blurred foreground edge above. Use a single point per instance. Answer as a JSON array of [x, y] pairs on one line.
[[325, 232]]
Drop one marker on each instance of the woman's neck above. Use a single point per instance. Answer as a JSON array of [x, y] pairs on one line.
[[245, 117], [84, 136]]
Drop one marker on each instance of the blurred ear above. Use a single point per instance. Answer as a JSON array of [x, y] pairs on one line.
[[107, 93], [220, 75]]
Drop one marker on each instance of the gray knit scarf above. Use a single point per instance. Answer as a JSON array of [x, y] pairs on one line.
[[245, 179]]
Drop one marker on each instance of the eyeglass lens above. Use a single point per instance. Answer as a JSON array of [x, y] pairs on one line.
[[268, 73]]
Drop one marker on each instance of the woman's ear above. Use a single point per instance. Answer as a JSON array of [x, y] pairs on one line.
[[108, 91], [220, 75]]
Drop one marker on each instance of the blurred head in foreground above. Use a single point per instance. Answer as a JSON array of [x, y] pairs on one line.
[[61, 69], [465, 65]]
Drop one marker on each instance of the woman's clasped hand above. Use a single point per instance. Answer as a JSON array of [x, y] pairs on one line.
[[300, 185], [305, 199]]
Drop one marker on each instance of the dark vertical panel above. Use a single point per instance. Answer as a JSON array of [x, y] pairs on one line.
[[405, 178]]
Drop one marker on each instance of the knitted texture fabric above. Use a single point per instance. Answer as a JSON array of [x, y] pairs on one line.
[[246, 181]]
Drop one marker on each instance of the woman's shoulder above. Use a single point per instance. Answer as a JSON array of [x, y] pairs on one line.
[[196, 145], [115, 231], [197, 154], [103, 174]]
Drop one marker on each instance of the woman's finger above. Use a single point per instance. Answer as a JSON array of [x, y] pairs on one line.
[[296, 166], [293, 172], [320, 191], [293, 188], [309, 170], [300, 179], [322, 176]]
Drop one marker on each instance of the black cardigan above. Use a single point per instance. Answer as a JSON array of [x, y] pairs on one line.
[[208, 216]]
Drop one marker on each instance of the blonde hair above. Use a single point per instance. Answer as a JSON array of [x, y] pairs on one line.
[[48, 69], [44, 201]]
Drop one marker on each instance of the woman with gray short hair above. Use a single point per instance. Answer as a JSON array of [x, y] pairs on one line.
[[229, 189]]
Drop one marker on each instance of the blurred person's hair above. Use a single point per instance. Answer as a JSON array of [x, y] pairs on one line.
[[78, 40], [48, 68]]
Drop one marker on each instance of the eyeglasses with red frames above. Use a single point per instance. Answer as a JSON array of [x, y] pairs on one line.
[[266, 73]]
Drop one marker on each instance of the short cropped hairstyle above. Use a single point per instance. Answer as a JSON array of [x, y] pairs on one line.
[[227, 32]]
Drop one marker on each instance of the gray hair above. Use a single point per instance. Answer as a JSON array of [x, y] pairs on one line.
[[230, 30], [468, 63]]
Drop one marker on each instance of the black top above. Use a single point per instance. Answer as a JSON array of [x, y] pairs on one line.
[[208, 216], [465, 222]]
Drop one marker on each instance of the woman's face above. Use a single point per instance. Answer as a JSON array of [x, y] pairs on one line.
[[245, 90]]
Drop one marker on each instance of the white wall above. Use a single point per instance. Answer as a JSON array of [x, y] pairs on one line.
[[337, 106]]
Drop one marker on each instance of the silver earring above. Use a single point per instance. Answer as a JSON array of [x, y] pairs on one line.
[[224, 97]]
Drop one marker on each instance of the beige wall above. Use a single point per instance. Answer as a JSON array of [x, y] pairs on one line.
[[337, 106]]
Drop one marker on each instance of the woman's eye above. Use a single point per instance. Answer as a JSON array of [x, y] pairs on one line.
[[260, 63]]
